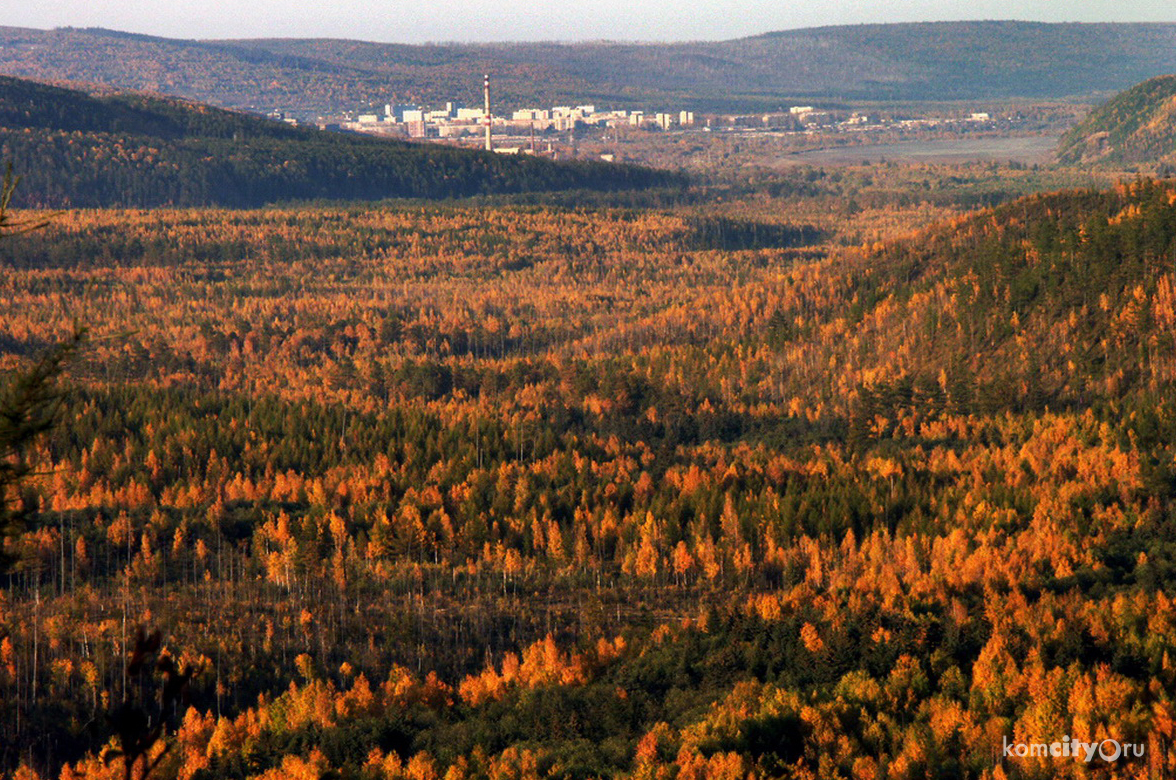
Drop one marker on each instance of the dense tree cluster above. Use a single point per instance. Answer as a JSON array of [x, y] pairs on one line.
[[535, 492]]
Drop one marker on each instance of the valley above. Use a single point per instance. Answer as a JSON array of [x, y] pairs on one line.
[[757, 452]]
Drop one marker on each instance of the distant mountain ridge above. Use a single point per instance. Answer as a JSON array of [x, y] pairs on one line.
[[1137, 126], [74, 149], [918, 61]]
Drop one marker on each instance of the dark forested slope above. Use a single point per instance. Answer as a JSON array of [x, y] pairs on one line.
[[75, 149]]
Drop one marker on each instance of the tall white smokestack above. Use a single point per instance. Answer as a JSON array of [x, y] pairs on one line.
[[486, 84]]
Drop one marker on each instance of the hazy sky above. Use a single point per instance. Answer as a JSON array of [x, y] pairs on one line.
[[496, 20]]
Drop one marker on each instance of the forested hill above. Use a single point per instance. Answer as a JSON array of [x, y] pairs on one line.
[[79, 150], [927, 61], [1135, 127], [1054, 301]]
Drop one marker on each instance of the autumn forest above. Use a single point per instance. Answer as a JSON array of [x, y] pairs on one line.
[[854, 474]]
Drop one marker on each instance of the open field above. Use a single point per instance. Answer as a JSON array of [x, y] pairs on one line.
[[1030, 150]]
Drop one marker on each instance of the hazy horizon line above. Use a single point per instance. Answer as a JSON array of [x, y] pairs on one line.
[[580, 41]]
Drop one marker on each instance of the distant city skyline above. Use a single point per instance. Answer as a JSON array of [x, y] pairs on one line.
[[424, 21]]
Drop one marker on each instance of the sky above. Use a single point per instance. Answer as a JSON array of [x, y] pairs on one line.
[[420, 21]]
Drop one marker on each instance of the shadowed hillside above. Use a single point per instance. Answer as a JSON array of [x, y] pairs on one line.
[[74, 149]]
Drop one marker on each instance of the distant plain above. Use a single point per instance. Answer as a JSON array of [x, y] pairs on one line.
[[1022, 149]]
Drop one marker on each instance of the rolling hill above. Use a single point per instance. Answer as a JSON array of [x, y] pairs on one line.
[[74, 149], [1059, 300], [1135, 127], [929, 61]]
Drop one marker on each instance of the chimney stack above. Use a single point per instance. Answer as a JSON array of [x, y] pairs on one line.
[[486, 84]]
